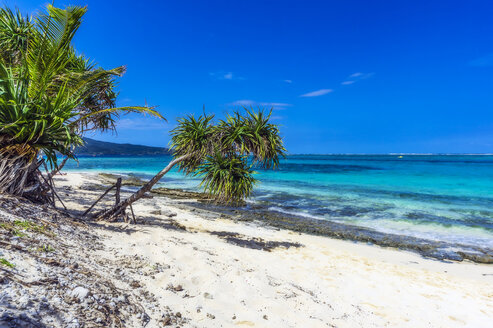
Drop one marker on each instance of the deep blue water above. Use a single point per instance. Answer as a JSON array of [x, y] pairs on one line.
[[438, 197]]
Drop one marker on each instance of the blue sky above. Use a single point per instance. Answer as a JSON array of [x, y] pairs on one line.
[[343, 76]]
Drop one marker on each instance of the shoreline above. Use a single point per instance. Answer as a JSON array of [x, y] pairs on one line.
[[440, 250], [195, 268]]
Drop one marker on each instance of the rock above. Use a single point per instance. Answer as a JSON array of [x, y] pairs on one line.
[[135, 284], [166, 320], [79, 292], [208, 296]]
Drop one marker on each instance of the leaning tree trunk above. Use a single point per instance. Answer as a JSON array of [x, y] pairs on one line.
[[58, 169], [20, 176], [121, 206]]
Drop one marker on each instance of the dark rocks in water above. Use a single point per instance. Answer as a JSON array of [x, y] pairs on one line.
[[94, 187], [427, 248], [201, 197], [126, 180], [477, 257], [253, 243], [180, 194]]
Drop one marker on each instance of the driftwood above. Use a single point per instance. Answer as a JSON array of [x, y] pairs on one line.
[[52, 187], [112, 213], [97, 201], [118, 187], [58, 169], [48, 181], [133, 215]]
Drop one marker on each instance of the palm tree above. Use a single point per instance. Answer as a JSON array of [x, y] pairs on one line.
[[222, 154], [49, 96], [14, 33]]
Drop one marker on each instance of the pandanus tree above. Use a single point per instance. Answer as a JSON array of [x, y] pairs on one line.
[[222, 154], [49, 96]]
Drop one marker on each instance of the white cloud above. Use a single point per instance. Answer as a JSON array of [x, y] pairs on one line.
[[317, 93], [357, 74], [243, 102], [355, 77], [225, 76], [288, 81], [253, 103]]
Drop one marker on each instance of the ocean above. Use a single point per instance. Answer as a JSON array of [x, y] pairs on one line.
[[441, 198]]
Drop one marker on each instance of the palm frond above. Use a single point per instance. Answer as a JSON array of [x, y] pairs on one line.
[[252, 134], [50, 95], [15, 30], [192, 136], [228, 178]]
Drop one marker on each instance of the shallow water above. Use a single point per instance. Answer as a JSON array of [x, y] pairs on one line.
[[436, 197]]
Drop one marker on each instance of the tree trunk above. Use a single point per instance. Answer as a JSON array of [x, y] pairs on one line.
[[20, 176], [121, 206], [58, 169]]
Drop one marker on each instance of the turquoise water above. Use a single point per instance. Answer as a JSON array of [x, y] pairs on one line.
[[437, 197]]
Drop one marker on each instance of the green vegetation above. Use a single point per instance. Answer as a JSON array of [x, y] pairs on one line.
[[222, 153], [30, 226], [17, 228], [49, 96], [46, 249], [6, 263]]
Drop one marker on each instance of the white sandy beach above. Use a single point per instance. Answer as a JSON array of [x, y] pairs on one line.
[[324, 283]]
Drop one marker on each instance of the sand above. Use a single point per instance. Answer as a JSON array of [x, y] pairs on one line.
[[323, 283]]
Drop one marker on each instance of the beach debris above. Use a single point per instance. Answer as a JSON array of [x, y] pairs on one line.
[[135, 284], [79, 292], [208, 296], [65, 285], [177, 288]]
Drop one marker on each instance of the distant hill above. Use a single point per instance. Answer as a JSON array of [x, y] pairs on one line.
[[101, 148]]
